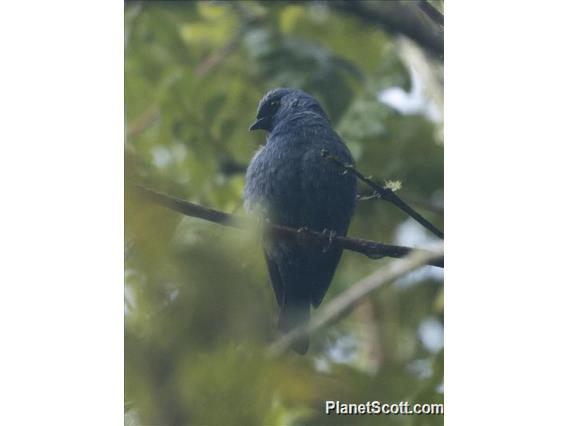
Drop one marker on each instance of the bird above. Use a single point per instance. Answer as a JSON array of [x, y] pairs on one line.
[[289, 182]]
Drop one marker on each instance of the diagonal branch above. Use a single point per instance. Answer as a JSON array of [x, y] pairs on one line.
[[217, 58], [386, 194], [346, 301], [372, 249], [432, 12], [406, 18]]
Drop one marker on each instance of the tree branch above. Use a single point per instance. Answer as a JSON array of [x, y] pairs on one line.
[[342, 304], [372, 249], [432, 12], [398, 18], [385, 194], [215, 59]]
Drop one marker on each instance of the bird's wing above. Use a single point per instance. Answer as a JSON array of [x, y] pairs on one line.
[[275, 278], [328, 204], [322, 279]]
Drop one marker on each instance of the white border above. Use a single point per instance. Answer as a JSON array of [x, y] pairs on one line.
[[506, 212], [61, 274]]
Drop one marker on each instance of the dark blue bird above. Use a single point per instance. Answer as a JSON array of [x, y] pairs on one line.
[[290, 183]]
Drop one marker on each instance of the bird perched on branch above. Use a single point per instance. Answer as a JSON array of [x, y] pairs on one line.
[[290, 183]]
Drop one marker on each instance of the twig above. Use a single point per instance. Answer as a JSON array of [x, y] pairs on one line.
[[342, 304], [372, 249], [144, 121], [431, 206], [214, 60], [385, 194]]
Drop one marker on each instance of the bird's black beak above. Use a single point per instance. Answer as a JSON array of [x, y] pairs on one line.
[[261, 123]]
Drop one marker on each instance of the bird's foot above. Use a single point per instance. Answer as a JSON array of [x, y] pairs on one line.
[[331, 234]]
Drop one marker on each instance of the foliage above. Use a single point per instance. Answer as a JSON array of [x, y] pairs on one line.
[[199, 312]]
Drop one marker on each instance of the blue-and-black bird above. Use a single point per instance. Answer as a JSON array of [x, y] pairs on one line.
[[291, 184]]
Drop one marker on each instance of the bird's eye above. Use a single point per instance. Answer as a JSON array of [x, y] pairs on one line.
[[274, 103]]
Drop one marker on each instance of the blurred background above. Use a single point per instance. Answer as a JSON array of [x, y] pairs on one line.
[[199, 309]]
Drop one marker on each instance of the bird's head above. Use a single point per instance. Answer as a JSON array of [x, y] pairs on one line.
[[279, 104]]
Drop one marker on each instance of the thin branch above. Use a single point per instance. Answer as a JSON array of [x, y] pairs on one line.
[[424, 204], [431, 205], [385, 194], [217, 58], [144, 121], [342, 304], [372, 249]]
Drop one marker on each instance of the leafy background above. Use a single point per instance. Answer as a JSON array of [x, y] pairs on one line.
[[199, 312]]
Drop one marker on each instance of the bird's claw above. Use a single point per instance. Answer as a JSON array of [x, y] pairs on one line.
[[331, 234]]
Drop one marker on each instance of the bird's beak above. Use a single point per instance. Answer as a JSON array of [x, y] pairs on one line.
[[260, 123]]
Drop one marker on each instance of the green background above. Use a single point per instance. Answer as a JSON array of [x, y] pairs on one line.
[[199, 311]]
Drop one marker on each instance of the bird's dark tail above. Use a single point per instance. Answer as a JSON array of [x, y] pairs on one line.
[[292, 315]]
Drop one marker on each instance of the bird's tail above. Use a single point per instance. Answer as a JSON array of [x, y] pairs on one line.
[[292, 315]]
